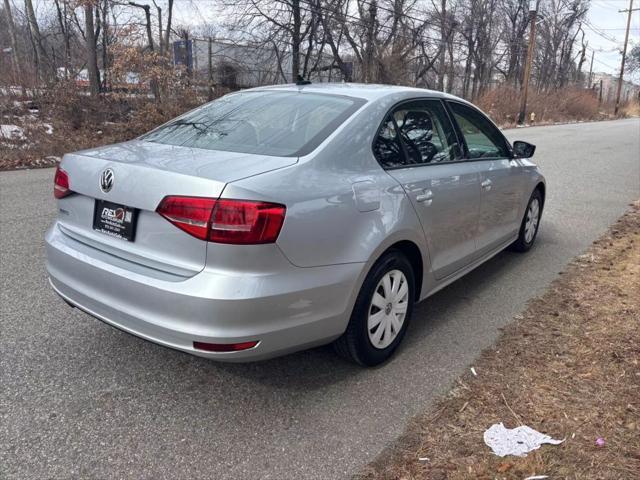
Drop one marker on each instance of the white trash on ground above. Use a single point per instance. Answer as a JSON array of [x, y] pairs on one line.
[[515, 441]]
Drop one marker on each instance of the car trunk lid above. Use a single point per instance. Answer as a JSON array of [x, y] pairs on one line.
[[143, 174]]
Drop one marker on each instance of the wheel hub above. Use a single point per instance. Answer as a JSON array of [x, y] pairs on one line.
[[388, 309]]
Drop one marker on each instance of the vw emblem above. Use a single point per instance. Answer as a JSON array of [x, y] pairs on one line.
[[106, 180]]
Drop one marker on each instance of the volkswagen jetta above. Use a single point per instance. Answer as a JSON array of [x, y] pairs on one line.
[[280, 218]]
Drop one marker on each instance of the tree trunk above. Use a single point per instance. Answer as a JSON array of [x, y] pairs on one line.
[[147, 16], [153, 83], [62, 22], [105, 41], [168, 30], [295, 40], [443, 40], [14, 47], [160, 46], [92, 55], [36, 37], [346, 74], [371, 29], [452, 70]]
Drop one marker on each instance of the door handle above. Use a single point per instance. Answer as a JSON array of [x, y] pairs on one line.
[[426, 197], [486, 184]]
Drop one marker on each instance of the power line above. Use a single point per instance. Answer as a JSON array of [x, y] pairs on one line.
[[599, 32]]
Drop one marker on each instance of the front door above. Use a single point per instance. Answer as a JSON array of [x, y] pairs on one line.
[[418, 146], [500, 178]]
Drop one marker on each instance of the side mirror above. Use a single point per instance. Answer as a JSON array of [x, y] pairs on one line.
[[523, 149]]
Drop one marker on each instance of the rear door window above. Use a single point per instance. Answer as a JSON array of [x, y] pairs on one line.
[[387, 147], [262, 122]]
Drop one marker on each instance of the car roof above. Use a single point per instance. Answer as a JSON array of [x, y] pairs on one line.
[[367, 91]]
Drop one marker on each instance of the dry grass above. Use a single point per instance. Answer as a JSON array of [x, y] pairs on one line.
[[569, 367], [80, 122], [567, 104], [631, 109]]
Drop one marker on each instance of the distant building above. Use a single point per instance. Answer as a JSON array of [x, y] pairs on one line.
[[629, 90], [237, 65]]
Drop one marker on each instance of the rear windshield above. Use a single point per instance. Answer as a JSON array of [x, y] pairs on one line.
[[264, 122]]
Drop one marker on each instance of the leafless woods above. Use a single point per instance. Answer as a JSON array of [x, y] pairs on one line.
[[461, 46]]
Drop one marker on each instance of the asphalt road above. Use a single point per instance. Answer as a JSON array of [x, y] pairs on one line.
[[80, 399]]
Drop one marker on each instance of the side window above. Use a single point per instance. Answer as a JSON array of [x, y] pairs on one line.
[[420, 129], [387, 147], [483, 139]]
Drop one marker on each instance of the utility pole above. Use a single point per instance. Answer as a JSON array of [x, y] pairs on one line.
[[527, 68], [624, 54], [593, 52], [600, 96]]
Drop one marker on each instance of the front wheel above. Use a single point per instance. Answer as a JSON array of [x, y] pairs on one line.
[[381, 313], [530, 223]]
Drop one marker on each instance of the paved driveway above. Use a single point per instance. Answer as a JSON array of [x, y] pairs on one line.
[[80, 399]]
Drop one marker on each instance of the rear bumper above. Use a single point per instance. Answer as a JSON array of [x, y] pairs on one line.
[[285, 310]]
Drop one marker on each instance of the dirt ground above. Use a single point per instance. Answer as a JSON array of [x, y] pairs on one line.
[[569, 366]]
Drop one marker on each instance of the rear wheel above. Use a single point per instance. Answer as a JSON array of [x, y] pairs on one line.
[[381, 313], [530, 223]]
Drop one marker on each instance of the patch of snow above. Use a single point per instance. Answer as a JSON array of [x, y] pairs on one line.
[[12, 132]]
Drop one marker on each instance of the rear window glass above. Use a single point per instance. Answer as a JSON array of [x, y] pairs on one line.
[[264, 122]]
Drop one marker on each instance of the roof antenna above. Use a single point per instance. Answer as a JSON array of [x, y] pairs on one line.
[[302, 81]]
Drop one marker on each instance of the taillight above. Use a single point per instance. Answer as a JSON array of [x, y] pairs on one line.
[[239, 222], [246, 222], [191, 214], [61, 184]]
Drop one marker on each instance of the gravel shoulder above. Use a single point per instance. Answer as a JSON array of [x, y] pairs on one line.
[[569, 366]]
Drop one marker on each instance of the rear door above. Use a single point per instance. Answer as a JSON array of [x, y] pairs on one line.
[[500, 178], [418, 146]]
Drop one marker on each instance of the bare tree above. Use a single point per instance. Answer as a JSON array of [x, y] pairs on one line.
[[91, 48], [15, 55], [556, 39], [147, 16], [168, 30], [283, 25], [515, 15], [40, 53]]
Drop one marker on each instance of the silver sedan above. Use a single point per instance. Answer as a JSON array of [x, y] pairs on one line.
[[280, 218]]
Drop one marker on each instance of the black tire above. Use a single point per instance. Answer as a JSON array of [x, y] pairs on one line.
[[521, 244], [355, 345]]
